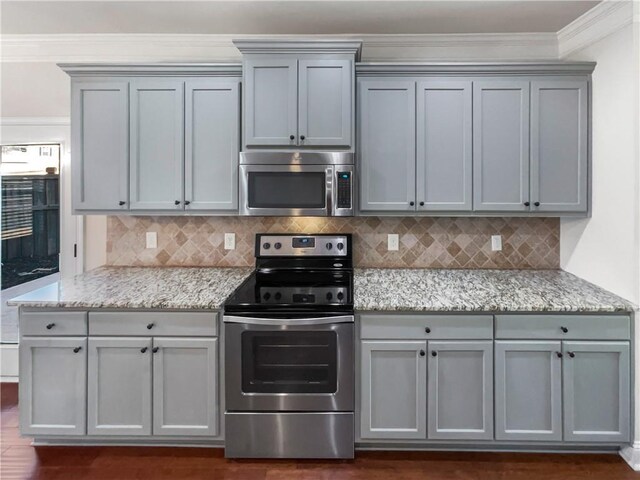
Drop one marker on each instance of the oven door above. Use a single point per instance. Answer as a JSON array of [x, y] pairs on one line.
[[283, 365], [287, 190]]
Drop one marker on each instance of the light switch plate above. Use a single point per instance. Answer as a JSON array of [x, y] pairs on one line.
[[152, 239], [496, 243], [393, 242], [229, 241]]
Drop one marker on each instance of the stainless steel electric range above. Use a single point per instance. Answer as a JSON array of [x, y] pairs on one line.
[[289, 351]]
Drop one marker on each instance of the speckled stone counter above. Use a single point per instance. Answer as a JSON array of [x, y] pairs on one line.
[[140, 287], [480, 291]]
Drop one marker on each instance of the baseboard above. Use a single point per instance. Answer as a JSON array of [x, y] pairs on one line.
[[631, 455]]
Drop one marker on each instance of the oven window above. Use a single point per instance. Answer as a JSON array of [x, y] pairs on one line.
[[289, 362], [287, 190]]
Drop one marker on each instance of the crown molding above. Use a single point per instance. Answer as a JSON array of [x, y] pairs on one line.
[[320, 44], [153, 69], [602, 20], [145, 48]]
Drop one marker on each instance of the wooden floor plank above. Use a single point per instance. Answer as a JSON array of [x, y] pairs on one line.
[[21, 461]]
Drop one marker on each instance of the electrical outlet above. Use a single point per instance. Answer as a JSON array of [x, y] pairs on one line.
[[152, 239], [496, 243], [393, 242], [229, 241]]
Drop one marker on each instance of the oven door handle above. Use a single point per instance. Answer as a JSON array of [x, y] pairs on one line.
[[289, 321]]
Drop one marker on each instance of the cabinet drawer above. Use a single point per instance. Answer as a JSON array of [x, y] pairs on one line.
[[569, 327], [433, 327], [154, 324], [53, 323]]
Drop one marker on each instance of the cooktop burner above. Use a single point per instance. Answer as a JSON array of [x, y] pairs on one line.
[[298, 274]]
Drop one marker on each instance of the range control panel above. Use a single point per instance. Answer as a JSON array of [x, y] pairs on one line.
[[302, 245]]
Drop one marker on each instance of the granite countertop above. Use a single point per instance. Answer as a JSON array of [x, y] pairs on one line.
[[480, 291], [140, 287]]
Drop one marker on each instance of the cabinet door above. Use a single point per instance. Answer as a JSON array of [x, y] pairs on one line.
[[393, 390], [53, 381], [501, 145], [157, 134], [559, 120], [271, 102], [325, 102], [119, 389], [212, 142], [444, 145], [460, 390], [387, 149], [100, 145], [596, 378], [528, 395], [185, 386]]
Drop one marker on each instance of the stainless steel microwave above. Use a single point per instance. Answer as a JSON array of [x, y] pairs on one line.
[[309, 184]]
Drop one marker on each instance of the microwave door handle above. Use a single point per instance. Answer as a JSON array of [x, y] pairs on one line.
[[329, 174]]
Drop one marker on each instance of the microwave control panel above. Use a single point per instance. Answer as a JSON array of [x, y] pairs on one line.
[[344, 190]]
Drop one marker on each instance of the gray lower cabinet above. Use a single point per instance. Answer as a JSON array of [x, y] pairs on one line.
[[460, 390], [444, 157], [387, 145], [100, 144], [119, 386], [157, 144], [596, 379], [212, 143], [53, 385], [185, 386], [501, 145], [559, 145], [393, 390], [528, 390]]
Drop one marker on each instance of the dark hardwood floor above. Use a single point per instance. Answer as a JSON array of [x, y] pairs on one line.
[[19, 460]]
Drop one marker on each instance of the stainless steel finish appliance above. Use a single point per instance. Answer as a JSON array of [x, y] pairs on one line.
[[297, 184], [289, 351]]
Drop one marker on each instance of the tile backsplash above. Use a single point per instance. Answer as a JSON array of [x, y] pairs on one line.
[[425, 242]]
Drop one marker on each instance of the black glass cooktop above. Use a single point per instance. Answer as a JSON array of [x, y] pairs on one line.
[[322, 292]]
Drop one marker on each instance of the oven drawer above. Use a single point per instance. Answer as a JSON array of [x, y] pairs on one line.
[[175, 324], [394, 326], [289, 435]]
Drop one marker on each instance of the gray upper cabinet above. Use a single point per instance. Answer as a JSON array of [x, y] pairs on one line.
[[460, 390], [157, 134], [393, 390], [444, 145], [559, 145], [119, 386], [325, 102], [53, 385], [185, 386], [528, 395], [501, 145], [596, 379], [270, 102], [387, 145], [100, 144], [212, 143]]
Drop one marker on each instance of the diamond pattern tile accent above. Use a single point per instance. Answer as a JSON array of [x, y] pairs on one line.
[[426, 242]]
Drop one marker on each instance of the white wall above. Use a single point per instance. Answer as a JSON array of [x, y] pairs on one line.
[[605, 249]]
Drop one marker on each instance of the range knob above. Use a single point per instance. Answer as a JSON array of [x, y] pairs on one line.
[[340, 295], [329, 246], [277, 245], [266, 296], [329, 295], [278, 296], [266, 245], [340, 246]]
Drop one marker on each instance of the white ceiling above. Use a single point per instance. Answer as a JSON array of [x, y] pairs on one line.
[[310, 17]]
